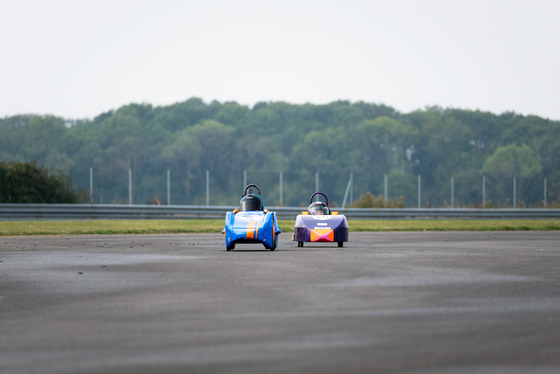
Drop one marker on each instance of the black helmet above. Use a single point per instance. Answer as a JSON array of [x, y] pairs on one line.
[[318, 208], [251, 202]]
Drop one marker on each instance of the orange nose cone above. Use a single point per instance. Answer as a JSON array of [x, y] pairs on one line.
[[322, 235]]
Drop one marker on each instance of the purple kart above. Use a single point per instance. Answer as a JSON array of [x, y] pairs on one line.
[[319, 224]]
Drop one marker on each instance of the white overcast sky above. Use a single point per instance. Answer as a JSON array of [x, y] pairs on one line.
[[80, 58]]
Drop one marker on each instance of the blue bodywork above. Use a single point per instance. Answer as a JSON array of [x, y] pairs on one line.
[[251, 226]]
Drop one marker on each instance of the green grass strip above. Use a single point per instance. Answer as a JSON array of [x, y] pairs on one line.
[[88, 227], [455, 225]]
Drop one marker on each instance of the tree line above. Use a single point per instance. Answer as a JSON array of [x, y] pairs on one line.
[[374, 142]]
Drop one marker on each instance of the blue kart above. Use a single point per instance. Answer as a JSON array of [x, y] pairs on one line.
[[251, 223]]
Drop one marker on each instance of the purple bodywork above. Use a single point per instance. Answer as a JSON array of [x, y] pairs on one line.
[[330, 227]]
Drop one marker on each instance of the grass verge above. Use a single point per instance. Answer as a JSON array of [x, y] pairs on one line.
[[87, 227]]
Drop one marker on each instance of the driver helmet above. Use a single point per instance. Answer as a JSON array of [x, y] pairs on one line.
[[251, 202], [318, 208]]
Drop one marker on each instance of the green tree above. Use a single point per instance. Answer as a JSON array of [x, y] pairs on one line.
[[45, 141], [205, 146], [511, 161], [27, 183], [507, 162], [12, 137]]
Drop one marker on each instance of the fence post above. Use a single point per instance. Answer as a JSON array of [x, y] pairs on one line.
[[129, 186], [544, 192], [385, 185], [452, 193], [316, 181], [281, 182], [244, 178], [168, 187], [207, 187], [514, 193], [419, 190], [91, 185], [483, 192], [351, 188]]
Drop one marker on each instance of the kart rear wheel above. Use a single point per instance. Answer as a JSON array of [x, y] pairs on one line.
[[300, 244], [274, 243]]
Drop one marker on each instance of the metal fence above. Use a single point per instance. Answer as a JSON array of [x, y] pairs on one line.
[[119, 211], [291, 189]]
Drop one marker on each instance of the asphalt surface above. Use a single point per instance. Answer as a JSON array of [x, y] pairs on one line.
[[467, 302]]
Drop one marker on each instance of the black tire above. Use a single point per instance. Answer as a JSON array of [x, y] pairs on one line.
[[300, 244], [340, 244], [274, 236], [230, 247]]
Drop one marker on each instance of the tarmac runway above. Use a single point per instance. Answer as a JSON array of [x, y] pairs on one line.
[[425, 302]]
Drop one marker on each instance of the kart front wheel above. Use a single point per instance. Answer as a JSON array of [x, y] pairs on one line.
[[300, 244], [340, 244], [230, 247]]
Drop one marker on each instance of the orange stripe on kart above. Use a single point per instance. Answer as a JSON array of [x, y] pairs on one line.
[[251, 225], [322, 235]]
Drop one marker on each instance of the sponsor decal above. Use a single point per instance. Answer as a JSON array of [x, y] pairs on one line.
[[322, 235], [321, 218]]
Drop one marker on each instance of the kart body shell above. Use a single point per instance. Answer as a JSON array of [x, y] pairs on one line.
[[251, 226], [326, 227]]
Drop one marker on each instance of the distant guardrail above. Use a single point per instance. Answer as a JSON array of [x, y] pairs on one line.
[[19, 212]]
